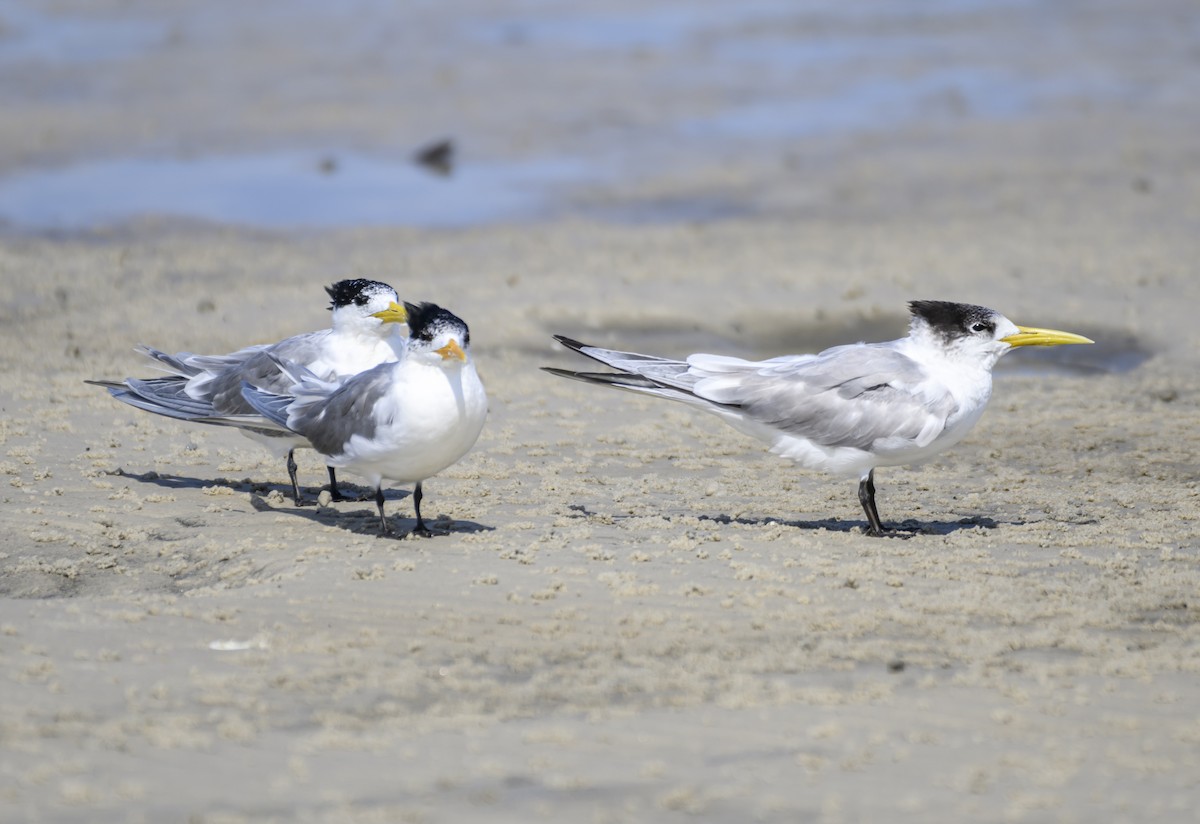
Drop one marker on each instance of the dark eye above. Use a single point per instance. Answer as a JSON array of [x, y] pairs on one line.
[[980, 326]]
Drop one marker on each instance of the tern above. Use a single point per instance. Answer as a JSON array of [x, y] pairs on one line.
[[404, 421], [366, 330], [848, 409]]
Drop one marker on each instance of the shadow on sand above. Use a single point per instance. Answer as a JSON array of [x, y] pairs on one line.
[[363, 521], [905, 529]]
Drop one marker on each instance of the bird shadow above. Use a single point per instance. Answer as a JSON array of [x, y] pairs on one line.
[[357, 521], [904, 530], [909, 528], [244, 485], [366, 521]]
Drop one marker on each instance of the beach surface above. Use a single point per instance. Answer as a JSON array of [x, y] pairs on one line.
[[637, 614]]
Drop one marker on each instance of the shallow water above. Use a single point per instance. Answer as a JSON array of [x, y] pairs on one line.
[[758, 78], [282, 190]]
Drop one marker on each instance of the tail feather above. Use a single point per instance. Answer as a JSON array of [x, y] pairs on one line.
[[249, 423], [163, 396], [307, 388], [614, 357], [172, 394], [659, 371], [645, 374], [126, 395], [621, 380], [151, 396]]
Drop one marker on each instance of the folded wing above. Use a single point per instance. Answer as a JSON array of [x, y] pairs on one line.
[[860, 396]]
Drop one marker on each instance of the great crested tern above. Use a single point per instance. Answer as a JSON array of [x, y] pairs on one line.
[[851, 408], [366, 330], [403, 421]]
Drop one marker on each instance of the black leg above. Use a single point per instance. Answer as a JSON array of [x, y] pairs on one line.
[[384, 529], [291, 468], [866, 496], [335, 494], [420, 529]]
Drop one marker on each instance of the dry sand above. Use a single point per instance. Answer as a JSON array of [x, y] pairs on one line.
[[638, 614]]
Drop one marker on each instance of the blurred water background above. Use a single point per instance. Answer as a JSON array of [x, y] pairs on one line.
[[293, 114]]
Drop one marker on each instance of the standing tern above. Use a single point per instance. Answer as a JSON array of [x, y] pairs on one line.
[[851, 408], [365, 331], [403, 421]]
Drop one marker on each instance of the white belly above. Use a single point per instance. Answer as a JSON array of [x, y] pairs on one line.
[[421, 432]]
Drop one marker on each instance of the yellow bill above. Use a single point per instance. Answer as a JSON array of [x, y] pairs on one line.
[[1032, 336], [452, 350], [395, 313]]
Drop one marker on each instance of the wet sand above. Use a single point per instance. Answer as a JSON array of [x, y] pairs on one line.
[[638, 614]]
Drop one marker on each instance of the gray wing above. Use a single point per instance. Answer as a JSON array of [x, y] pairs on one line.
[[265, 398], [328, 415], [224, 389], [216, 380], [271, 406], [856, 396], [208, 388], [265, 368], [331, 421], [301, 349]]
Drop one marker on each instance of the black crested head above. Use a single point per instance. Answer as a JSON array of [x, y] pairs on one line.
[[951, 321], [427, 320], [358, 291]]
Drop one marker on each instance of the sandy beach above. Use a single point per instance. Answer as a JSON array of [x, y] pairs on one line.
[[638, 614]]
